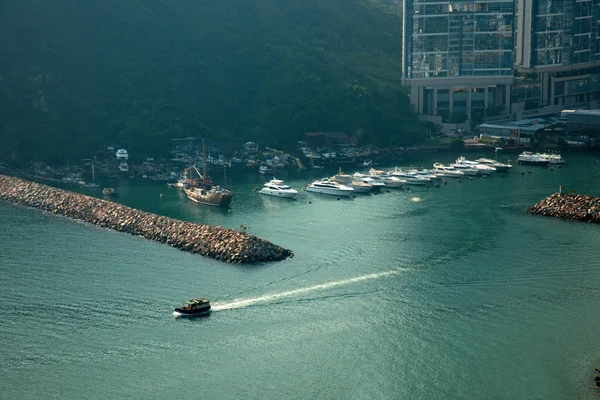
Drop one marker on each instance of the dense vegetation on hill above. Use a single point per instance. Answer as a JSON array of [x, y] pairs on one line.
[[77, 75]]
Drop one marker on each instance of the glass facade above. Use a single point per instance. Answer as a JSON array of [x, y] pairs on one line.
[[459, 38], [564, 32]]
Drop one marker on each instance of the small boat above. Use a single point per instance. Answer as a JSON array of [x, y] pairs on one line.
[[264, 169], [193, 308], [93, 184], [110, 192], [276, 187]]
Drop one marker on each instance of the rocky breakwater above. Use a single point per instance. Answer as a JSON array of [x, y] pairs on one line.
[[216, 242], [568, 206]]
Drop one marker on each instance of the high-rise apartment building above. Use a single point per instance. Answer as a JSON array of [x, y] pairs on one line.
[[557, 56], [458, 55]]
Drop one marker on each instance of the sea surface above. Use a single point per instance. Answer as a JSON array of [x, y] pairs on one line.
[[450, 292]]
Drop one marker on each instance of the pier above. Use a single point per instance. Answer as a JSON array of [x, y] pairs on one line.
[[216, 242], [568, 206]]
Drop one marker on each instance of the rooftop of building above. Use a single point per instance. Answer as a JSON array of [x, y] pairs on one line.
[[582, 112]]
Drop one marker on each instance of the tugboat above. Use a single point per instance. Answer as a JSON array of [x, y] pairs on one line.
[[193, 308]]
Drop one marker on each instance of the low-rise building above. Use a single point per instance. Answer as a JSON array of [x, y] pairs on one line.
[[523, 131], [582, 122]]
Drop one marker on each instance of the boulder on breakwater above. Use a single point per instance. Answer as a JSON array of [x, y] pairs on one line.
[[216, 242], [568, 206]]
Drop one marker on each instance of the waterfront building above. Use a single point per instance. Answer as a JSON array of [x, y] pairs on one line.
[[457, 57], [582, 122], [557, 56]]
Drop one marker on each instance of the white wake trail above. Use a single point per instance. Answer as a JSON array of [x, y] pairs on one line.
[[276, 296]]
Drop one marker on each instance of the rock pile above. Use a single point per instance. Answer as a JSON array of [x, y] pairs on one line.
[[569, 206], [212, 241]]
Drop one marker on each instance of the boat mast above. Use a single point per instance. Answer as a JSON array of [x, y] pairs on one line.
[[224, 176], [93, 172], [203, 164]]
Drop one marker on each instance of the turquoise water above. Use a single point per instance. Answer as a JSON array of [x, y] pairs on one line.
[[450, 292]]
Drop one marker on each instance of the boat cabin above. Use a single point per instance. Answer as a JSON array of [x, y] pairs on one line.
[[196, 304]]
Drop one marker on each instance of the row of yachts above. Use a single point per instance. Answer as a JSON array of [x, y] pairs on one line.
[[345, 185]]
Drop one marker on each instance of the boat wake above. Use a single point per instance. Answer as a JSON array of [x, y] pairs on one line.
[[291, 293]]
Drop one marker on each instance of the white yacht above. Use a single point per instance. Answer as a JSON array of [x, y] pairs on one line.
[[554, 158], [528, 157], [482, 169], [276, 187], [348, 180], [465, 169], [411, 177], [325, 186], [426, 173], [386, 179], [448, 171], [375, 184], [500, 167]]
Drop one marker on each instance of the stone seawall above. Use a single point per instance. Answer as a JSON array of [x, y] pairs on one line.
[[216, 242], [568, 206]]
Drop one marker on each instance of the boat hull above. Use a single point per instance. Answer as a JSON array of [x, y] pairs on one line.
[[534, 162], [278, 193], [331, 192], [362, 189], [448, 174], [181, 314], [210, 198]]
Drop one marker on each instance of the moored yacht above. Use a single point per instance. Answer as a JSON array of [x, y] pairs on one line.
[[387, 179], [527, 157], [348, 180], [554, 158], [448, 171], [325, 186], [465, 169], [426, 173], [276, 187], [375, 184], [411, 177], [482, 169], [500, 167]]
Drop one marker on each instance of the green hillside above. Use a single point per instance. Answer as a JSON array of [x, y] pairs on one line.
[[76, 75]]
